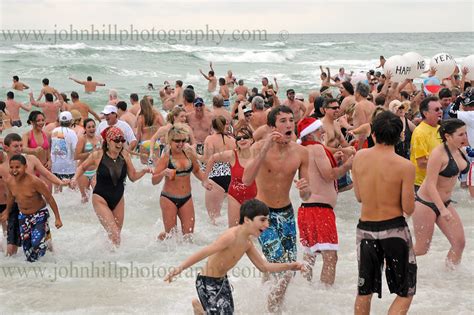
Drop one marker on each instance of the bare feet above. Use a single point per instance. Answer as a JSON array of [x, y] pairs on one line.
[[162, 236]]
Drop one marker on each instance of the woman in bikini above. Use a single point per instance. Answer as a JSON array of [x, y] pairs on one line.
[[175, 166], [37, 141], [113, 165], [238, 159], [218, 142], [87, 143], [147, 124], [433, 203], [176, 115]]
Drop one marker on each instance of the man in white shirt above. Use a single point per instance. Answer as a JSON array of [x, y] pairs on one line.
[[63, 145], [111, 119]]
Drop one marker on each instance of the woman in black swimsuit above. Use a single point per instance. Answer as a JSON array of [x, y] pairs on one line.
[[433, 203], [176, 165], [113, 165]]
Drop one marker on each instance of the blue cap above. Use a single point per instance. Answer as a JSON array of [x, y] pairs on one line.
[[198, 101]]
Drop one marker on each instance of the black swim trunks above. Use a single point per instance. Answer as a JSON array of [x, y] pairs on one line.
[[215, 295], [13, 230], [388, 241]]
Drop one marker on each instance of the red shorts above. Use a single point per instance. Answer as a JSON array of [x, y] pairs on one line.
[[317, 226]]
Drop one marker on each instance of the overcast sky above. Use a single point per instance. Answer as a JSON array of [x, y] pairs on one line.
[[330, 16]]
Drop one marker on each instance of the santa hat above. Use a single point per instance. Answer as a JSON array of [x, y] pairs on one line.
[[307, 126]]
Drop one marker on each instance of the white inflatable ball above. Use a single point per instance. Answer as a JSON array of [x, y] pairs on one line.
[[416, 63], [398, 67], [469, 64], [444, 64]]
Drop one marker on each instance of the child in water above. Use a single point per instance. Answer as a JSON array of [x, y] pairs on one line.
[[212, 285], [29, 192]]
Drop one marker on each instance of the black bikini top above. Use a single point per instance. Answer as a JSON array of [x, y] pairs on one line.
[[452, 168], [172, 165]]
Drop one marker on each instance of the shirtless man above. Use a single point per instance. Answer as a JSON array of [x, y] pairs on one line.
[[50, 108], [363, 110], [200, 121], [12, 145], [273, 166], [188, 100], [83, 108], [259, 115], [89, 85], [347, 91], [212, 84], [325, 77], [126, 115], [230, 80], [316, 219], [313, 94], [113, 97], [219, 110], [334, 139], [383, 237], [178, 93], [31, 195], [296, 106], [17, 85], [13, 108], [241, 89], [46, 90], [134, 100], [166, 96], [224, 92]]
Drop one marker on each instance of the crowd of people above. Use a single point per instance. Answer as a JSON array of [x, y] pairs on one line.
[[401, 150]]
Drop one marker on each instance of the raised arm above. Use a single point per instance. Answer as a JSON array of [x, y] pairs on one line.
[[204, 75]]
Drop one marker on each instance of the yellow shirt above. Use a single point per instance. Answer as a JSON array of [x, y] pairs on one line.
[[424, 139]]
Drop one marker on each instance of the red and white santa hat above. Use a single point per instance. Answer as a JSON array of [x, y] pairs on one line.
[[307, 126]]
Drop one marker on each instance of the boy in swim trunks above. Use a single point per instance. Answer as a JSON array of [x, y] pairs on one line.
[[383, 237], [212, 285], [29, 192], [316, 218]]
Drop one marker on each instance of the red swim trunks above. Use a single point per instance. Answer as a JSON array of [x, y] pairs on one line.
[[317, 226]]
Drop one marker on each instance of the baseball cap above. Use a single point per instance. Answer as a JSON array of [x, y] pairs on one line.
[[109, 109], [247, 110], [299, 96], [65, 116]]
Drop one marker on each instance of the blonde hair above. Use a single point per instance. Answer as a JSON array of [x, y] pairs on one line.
[[173, 114], [177, 129]]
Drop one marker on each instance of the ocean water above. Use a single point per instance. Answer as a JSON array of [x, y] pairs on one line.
[[84, 275]]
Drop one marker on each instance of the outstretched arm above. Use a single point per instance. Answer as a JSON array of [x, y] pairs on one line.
[[264, 266], [77, 81], [218, 245]]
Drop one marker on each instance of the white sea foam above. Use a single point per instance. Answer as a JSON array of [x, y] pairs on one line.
[[274, 44], [249, 56], [329, 44]]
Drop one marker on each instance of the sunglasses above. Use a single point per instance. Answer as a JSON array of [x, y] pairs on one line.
[[238, 138], [119, 139], [437, 109], [333, 107], [198, 105], [179, 140]]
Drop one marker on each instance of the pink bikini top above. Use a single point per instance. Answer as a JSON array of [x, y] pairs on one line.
[[32, 142]]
